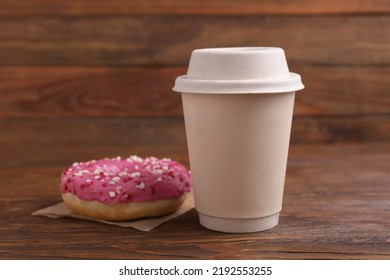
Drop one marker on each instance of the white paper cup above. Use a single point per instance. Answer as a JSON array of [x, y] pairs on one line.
[[238, 105]]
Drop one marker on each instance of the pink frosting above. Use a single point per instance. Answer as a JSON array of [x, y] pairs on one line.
[[133, 179]]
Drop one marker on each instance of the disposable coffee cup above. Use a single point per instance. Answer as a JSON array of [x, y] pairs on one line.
[[238, 105]]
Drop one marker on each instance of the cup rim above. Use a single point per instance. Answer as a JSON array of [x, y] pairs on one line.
[[185, 84], [238, 50]]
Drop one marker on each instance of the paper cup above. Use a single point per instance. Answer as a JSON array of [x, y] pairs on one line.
[[238, 105]]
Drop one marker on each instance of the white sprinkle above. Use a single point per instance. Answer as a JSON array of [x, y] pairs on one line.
[[165, 168], [97, 177], [136, 158], [141, 186], [78, 174], [112, 183], [118, 189], [147, 168], [166, 159], [135, 174], [159, 179], [111, 194], [118, 158], [88, 181], [123, 173], [158, 171], [85, 171], [75, 164], [116, 179], [136, 167], [97, 171]]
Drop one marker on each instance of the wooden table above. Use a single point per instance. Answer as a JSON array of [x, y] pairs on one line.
[[336, 204]]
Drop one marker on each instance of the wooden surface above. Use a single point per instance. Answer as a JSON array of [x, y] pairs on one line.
[[88, 79], [167, 40], [336, 206], [47, 92], [241, 7], [118, 60]]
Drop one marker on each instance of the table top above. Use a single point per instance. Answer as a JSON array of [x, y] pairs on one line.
[[336, 206]]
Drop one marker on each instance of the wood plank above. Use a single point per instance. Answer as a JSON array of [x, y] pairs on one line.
[[52, 92], [169, 40], [335, 205], [340, 129], [89, 92], [341, 90], [42, 142], [232, 7], [88, 138]]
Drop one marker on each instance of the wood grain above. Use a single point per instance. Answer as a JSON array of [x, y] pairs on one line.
[[232, 7], [38, 141], [89, 92], [340, 129], [169, 40], [52, 92], [335, 205]]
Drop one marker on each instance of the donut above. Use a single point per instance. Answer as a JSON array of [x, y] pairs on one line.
[[117, 189]]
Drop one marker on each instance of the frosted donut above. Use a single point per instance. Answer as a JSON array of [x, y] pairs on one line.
[[119, 189]]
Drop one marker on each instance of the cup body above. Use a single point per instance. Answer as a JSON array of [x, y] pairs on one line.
[[238, 147], [238, 107]]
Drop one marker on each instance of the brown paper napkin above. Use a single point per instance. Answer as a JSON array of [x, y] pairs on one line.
[[60, 210]]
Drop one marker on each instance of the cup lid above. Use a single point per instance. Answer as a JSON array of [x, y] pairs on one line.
[[238, 70]]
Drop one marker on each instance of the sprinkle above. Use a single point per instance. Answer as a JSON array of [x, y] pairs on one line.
[[136, 167], [111, 194], [97, 171], [75, 164], [97, 177], [135, 174], [116, 179], [112, 183], [159, 179], [123, 173], [118, 189], [88, 181], [158, 171], [135, 158], [165, 168], [141, 186], [78, 174]]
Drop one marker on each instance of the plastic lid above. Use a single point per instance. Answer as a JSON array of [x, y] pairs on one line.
[[238, 70]]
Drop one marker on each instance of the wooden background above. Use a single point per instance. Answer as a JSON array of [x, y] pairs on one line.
[[105, 67], [96, 75]]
